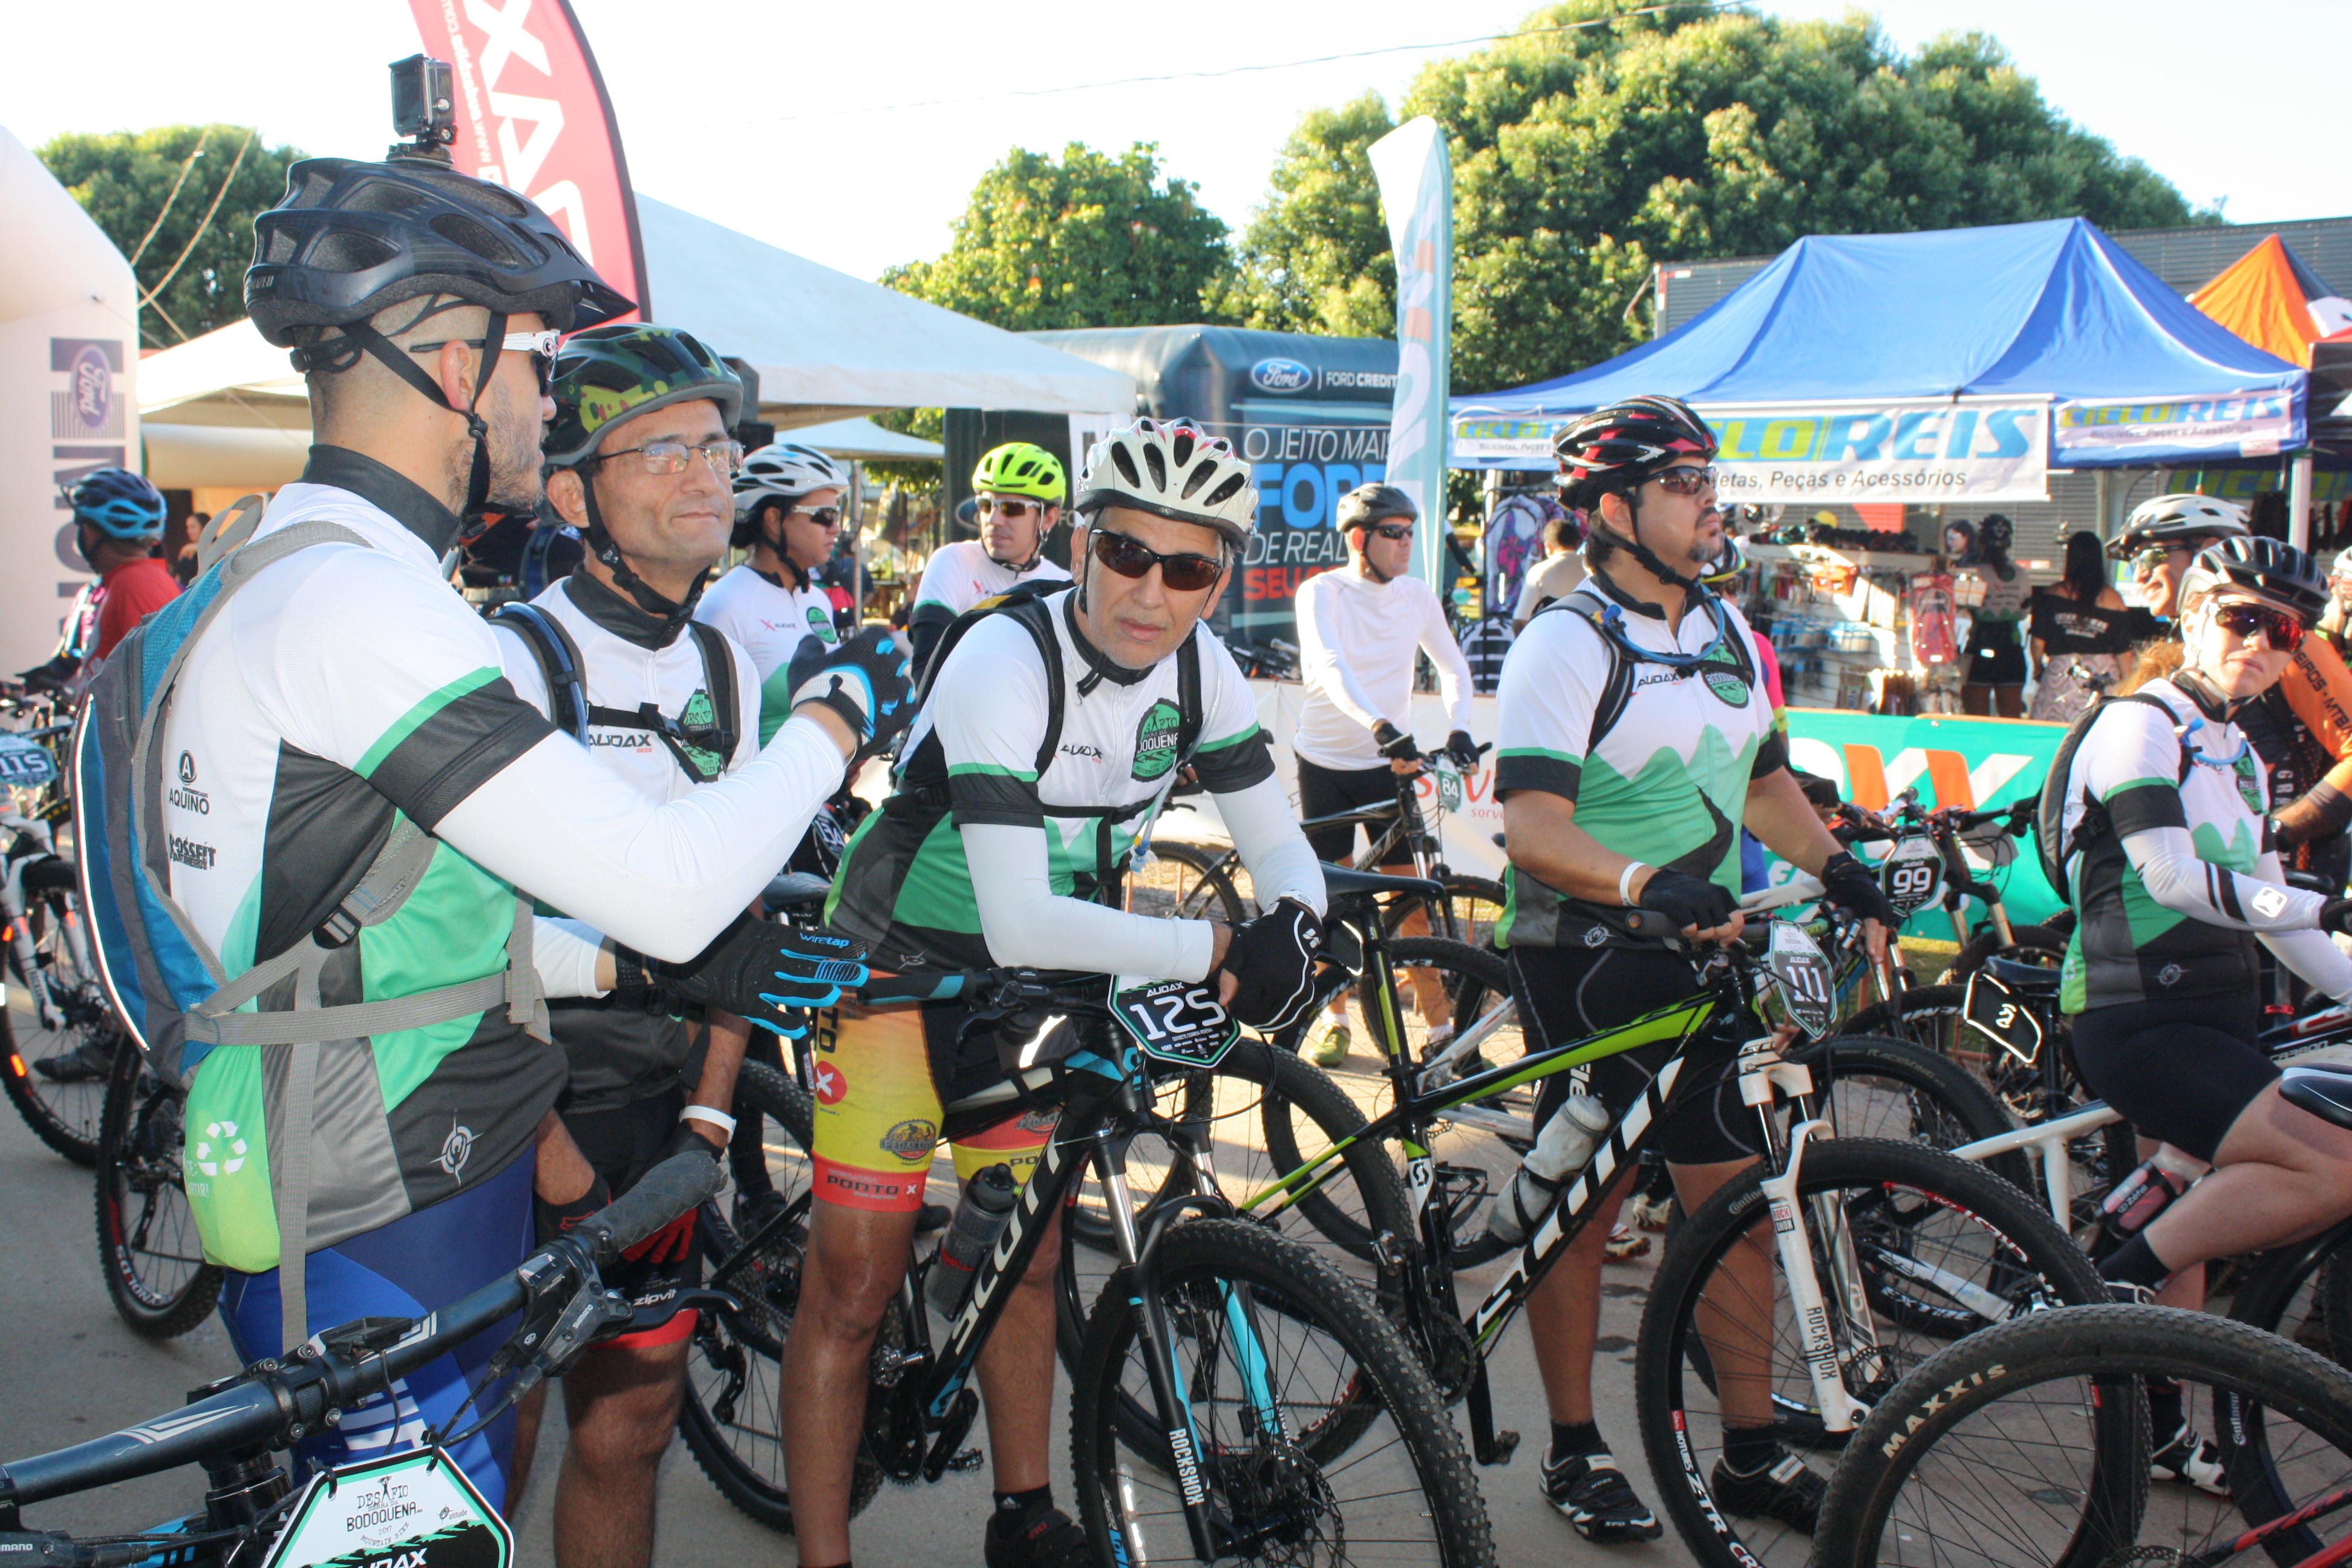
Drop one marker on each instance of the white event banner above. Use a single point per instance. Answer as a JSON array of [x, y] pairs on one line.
[[2259, 424], [1925, 451]]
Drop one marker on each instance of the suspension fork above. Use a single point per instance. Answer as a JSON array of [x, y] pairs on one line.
[[28, 968]]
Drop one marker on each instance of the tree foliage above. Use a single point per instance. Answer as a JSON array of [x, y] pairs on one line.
[[1093, 239], [1600, 141], [124, 180]]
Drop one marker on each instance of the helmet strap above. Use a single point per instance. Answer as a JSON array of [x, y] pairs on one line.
[[606, 549], [801, 579], [472, 516]]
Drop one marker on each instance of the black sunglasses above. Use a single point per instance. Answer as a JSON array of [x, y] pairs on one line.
[[1389, 529], [2280, 630], [1187, 574]]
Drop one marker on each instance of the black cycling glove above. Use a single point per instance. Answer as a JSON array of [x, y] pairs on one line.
[[769, 973], [1272, 961], [866, 679], [1393, 743], [2336, 917], [1687, 900], [551, 1220], [1461, 751], [1847, 883]]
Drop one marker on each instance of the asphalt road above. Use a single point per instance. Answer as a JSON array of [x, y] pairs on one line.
[[70, 1371]]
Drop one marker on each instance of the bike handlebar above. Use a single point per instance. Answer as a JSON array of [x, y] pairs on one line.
[[281, 1403]]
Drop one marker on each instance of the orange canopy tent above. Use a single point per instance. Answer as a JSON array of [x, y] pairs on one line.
[[2271, 299]]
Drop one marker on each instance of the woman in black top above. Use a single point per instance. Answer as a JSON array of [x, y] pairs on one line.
[[2081, 635]]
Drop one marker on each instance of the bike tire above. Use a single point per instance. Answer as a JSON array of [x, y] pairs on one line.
[[1876, 1087], [64, 1116], [2028, 944], [148, 1249], [1944, 1405], [1379, 1430], [1891, 1194], [732, 1372], [1184, 881]]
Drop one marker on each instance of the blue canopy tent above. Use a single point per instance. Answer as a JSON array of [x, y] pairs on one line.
[[2134, 373]]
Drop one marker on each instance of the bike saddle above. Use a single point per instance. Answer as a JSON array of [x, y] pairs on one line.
[[1340, 883], [2326, 1092], [2019, 976], [796, 890]]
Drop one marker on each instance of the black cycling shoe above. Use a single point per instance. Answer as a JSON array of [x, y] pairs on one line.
[[1598, 1499], [755, 1208], [1787, 1491], [934, 1216], [89, 1060], [2191, 1460], [1045, 1539]]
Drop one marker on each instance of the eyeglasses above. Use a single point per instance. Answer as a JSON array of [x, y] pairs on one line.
[[823, 516], [1389, 529], [1685, 481], [2151, 561], [670, 456], [2280, 630], [1186, 574], [540, 347], [1013, 509]]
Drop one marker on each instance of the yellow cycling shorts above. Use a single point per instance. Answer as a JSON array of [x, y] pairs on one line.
[[877, 1114]]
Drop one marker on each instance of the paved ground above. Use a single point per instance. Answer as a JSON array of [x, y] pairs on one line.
[[69, 1371]]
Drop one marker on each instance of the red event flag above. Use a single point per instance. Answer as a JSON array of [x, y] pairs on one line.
[[532, 115]]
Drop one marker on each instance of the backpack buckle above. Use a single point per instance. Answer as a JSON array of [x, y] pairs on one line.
[[337, 930]]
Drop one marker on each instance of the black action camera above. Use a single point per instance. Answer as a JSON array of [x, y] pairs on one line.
[[424, 108]]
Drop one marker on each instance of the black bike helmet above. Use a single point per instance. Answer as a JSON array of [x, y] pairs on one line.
[[2269, 569], [1618, 448], [1367, 504]]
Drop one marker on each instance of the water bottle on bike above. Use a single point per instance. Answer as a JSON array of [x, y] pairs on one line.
[[1563, 1148]]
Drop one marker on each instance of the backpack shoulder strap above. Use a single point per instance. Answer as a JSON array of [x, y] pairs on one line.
[[1189, 704], [718, 680], [1036, 618], [560, 664], [228, 529], [1617, 686]]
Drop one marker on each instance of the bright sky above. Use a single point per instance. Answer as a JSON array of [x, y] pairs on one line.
[[791, 122]]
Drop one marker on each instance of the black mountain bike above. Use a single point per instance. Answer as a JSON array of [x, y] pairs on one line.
[[1285, 1417], [148, 1249], [58, 1032]]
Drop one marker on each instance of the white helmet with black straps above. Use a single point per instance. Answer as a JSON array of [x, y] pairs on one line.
[[786, 470], [2183, 517], [1172, 470]]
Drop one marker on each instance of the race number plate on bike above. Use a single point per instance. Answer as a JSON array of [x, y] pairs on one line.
[[2004, 1017], [1912, 876], [23, 764], [1797, 962], [1176, 1021], [412, 1510]]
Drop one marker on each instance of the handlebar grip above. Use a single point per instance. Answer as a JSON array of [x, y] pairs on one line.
[[665, 1192]]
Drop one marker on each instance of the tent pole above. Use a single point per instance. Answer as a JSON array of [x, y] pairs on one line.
[[2298, 501], [858, 544]]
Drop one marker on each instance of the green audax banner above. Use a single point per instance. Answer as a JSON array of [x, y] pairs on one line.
[[1973, 763]]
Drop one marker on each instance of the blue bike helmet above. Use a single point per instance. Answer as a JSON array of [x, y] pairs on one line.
[[119, 504]]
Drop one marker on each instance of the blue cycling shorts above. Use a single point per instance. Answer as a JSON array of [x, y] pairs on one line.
[[411, 1267]]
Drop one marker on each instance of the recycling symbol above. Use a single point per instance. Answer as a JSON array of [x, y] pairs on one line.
[[202, 1157]]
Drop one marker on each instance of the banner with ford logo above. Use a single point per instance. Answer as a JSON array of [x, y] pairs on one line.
[[1280, 376]]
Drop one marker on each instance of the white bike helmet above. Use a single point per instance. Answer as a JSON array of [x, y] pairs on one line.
[[1171, 470], [2342, 565], [2183, 517], [780, 472]]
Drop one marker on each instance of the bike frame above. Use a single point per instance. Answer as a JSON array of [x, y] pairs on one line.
[[14, 913]]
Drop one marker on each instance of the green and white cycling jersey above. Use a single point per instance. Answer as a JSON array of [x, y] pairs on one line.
[[1656, 759], [342, 685], [618, 1053], [960, 575], [769, 621], [2174, 878], [979, 857]]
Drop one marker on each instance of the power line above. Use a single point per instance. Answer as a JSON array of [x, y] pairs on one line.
[[1212, 74]]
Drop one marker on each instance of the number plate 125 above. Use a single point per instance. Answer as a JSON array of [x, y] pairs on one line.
[[1176, 1021]]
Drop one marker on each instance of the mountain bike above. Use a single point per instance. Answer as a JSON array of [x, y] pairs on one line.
[[1924, 863], [1285, 1414], [2029, 1443], [1880, 1247], [148, 1249], [62, 1032], [232, 1427]]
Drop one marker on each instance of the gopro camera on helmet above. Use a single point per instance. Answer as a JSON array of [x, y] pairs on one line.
[[424, 108]]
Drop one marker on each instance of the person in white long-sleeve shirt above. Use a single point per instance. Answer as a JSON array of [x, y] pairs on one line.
[[1359, 629]]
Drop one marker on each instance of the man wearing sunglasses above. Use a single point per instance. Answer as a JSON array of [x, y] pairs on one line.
[[1359, 629], [1635, 737], [1055, 727], [348, 722], [2301, 726], [1018, 501], [788, 512]]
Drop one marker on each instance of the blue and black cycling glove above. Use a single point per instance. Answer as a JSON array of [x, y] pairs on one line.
[[772, 974]]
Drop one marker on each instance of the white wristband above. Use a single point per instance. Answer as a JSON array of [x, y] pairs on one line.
[[718, 1119], [1625, 882]]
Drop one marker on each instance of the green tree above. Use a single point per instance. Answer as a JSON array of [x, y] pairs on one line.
[[205, 183], [1093, 240], [1600, 141]]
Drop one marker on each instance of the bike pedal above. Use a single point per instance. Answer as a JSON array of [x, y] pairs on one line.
[[967, 1460], [1499, 1451]]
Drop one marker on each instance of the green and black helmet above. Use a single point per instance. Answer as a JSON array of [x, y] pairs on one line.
[[1019, 468], [606, 375]]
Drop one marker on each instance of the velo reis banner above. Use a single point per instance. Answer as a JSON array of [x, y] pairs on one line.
[[1925, 451], [533, 116]]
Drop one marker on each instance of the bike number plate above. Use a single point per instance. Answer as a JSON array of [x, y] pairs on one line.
[[1912, 876], [1797, 962], [2004, 1017], [415, 1510], [1176, 1021], [24, 764]]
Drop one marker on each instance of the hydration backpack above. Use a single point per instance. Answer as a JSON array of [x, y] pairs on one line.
[[560, 665], [2051, 840]]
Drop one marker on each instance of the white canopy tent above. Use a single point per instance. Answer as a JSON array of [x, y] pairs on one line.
[[228, 410]]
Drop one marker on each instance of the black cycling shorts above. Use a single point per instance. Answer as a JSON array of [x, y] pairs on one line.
[[2179, 1070], [1995, 656], [1567, 992], [1326, 792], [623, 1144]]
